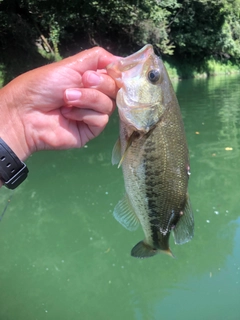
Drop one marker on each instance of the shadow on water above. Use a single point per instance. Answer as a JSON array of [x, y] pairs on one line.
[[64, 256]]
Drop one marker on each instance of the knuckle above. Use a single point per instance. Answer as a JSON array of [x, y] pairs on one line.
[[94, 96]]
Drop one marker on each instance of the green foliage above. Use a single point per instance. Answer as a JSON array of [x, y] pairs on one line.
[[193, 31], [209, 67], [207, 28]]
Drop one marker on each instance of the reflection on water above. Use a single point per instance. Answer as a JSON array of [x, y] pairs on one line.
[[63, 256]]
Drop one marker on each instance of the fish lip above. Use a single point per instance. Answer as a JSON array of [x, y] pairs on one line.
[[114, 72], [116, 68]]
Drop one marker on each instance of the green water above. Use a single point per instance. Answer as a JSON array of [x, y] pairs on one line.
[[63, 256]]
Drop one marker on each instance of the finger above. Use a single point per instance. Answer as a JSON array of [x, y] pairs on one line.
[[101, 82], [87, 132], [89, 99], [90, 117], [91, 59]]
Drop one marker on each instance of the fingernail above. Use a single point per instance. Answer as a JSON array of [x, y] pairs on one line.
[[73, 95], [93, 79]]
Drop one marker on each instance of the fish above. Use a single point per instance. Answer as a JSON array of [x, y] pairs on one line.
[[153, 153]]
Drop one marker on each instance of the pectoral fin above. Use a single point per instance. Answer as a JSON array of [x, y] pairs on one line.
[[184, 230], [116, 154], [124, 214]]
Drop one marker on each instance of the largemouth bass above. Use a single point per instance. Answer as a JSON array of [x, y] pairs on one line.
[[153, 153]]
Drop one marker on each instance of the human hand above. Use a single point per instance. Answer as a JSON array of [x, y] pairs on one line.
[[58, 106]]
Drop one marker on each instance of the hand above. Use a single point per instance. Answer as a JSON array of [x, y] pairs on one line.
[[58, 106]]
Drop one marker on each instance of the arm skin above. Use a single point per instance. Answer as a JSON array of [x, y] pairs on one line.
[[59, 106]]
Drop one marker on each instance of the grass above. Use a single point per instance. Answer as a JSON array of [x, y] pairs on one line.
[[211, 67]]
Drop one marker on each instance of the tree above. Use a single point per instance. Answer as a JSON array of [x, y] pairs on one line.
[[206, 28]]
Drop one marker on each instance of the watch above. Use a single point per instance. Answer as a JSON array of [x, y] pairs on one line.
[[12, 170]]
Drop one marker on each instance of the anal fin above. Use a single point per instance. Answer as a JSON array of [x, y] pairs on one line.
[[184, 230]]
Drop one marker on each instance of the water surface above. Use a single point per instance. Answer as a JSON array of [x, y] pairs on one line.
[[63, 256]]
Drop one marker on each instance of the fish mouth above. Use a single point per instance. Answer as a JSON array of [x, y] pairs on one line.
[[115, 69]]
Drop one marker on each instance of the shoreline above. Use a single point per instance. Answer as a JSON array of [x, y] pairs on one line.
[[208, 68], [177, 71]]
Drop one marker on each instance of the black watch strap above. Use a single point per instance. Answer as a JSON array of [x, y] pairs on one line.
[[12, 170]]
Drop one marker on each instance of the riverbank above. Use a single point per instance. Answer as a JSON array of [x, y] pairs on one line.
[[177, 70], [185, 70]]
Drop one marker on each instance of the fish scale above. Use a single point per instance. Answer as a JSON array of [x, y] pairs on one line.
[[155, 184], [152, 150]]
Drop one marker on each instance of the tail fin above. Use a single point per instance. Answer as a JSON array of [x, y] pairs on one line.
[[143, 250]]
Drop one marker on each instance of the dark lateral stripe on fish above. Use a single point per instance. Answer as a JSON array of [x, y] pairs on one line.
[[155, 238], [153, 207], [152, 183], [153, 214], [160, 240]]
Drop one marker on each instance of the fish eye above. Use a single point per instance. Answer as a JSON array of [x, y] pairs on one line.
[[154, 75]]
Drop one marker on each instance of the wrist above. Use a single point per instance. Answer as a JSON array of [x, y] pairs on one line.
[[15, 143], [11, 126]]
